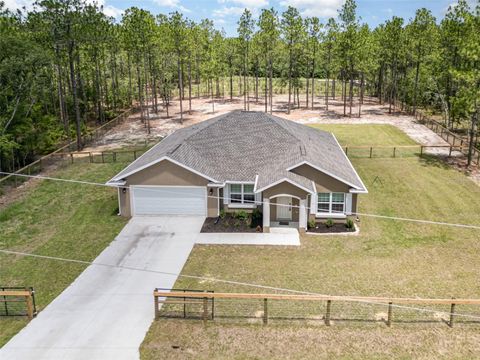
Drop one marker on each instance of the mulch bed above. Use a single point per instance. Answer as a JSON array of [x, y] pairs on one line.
[[229, 224], [321, 228]]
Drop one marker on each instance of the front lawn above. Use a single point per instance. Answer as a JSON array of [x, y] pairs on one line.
[[57, 219], [388, 258], [367, 135]]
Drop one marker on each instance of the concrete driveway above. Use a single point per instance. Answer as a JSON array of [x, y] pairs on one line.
[[106, 312]]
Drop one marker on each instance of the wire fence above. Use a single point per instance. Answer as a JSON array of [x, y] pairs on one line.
[[455, 140], [56, 156], [324, 310], [17, 301]]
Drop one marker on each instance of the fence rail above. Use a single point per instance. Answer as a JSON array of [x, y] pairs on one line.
[[17, 301], [38, 165], [447, 135], [320, 308], [109, 156], [401, 151]]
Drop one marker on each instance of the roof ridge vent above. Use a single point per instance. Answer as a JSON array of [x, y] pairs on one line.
[[174, 149], [303, 150]]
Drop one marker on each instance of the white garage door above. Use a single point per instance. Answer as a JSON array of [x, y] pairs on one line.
[[169, 200]]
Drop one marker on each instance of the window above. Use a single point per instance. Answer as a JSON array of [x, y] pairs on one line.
[[324, 202], [333, 203], [242, 194]]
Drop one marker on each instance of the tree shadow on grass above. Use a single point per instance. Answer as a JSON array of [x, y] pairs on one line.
[[434, 160]]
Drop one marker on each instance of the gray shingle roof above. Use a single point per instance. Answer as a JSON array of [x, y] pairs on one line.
[[239, 145]]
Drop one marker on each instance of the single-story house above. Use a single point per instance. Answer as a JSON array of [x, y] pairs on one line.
[[242, 161]]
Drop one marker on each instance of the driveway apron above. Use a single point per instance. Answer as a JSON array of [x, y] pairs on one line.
[[106, 312]]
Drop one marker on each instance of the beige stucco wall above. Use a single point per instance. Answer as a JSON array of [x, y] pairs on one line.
[[354, 202], [166, 173], [212, 202], [323, 182], [285, 188]]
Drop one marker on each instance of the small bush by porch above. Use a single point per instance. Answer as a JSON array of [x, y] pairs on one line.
[[236, 222]]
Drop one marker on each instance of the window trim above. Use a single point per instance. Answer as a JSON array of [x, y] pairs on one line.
[[330, 205], [242, 193]]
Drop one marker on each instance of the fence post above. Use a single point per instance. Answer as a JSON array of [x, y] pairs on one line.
[[205, 309], [134, 155], [114, 156], [371, 151], [155, 303], [452, 315], [346, 150], [29, 301], [394, 151], [184, 307], [421, 150], [71, 157], [265, 311], [327, 314], [450, 152], [103, 159], [389, 316]]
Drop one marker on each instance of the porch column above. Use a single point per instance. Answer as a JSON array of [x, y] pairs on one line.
[[266, 215], [303, 216]]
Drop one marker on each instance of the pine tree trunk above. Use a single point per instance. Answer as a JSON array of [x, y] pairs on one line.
[[76, 104], [362, 92], [231, 86], [417, 72], [307, 97], [472, 137], [289, 83], [271, 86], [180, 86], [266, 85]]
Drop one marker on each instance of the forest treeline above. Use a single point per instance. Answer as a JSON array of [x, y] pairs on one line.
[[66, 67]]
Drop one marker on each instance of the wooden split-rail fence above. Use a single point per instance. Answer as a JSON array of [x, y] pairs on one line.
[[209, 301], [17, 302]]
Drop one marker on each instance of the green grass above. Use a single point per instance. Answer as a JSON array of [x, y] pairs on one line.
[[388, 258], [367, 135], [56, 219]]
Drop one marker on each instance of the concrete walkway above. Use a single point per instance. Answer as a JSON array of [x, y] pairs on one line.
[[277, 236], [105, 313]]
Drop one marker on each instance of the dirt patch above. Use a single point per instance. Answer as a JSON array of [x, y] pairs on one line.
[[231, 224], [321, 228]]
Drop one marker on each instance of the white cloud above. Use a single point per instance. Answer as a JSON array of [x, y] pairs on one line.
[[108, 10], [18, 4], [228, 11], [174, 4], [319, 8], [246, 3]]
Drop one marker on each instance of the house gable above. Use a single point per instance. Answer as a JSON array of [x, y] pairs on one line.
[[285, 187], [166, 172], [323, 182]]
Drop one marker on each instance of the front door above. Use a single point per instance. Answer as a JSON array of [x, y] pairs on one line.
[[284, 208]]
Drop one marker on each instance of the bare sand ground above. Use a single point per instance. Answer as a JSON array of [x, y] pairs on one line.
[[134, 131]]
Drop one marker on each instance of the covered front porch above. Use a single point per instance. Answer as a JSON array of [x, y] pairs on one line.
[[285, 206]]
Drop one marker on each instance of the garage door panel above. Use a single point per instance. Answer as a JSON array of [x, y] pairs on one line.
[[169, 200]]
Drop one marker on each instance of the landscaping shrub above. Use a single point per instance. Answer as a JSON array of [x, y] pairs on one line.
[[349, 224], [256, 215], [241, 215], [329, 223], [221, 214], [312, 224]]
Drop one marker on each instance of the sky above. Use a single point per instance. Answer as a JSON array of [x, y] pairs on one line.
[[225, 13]]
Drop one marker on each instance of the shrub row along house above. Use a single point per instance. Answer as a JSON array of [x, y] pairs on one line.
[[243, 160]]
